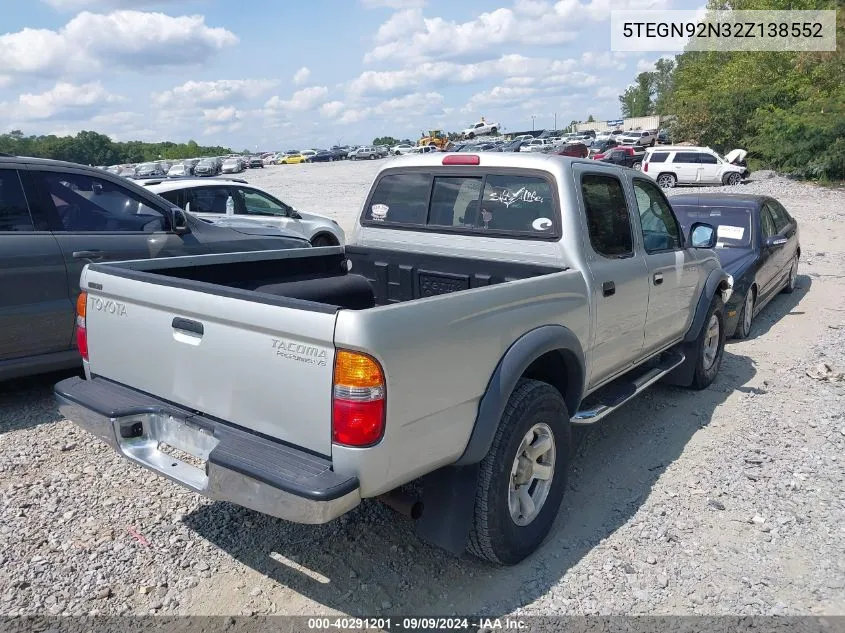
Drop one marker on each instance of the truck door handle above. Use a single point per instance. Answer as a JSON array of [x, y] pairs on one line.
[[88, 254], [608, 288], [658, 279], [188, 325]]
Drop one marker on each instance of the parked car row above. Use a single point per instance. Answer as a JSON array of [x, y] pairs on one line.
[[492, 354], [209, 166]]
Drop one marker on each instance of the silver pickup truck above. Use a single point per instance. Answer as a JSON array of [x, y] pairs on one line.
[[484, 304]]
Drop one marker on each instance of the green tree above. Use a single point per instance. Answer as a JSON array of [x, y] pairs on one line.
[[385, 140], [637, 101], [590, 119], [93, 148]]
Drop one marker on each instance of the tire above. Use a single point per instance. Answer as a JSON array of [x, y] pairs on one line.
[[790, 286], [471, 135], [496, 536], [666, 181], [652, 143], [731, 179], [746, 315], [397, 153], [638, 166], [322, 240], [494, 131], [707, 365], [372, 156]]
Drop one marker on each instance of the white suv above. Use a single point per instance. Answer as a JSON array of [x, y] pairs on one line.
[[234, 201], [682, 165]]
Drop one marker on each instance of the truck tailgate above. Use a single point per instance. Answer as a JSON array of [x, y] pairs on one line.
[[263, 367]]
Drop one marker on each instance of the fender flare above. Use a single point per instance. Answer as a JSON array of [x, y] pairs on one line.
[[518, 357], [716, 278]]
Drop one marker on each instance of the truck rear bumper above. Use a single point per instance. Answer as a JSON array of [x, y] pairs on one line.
[[213, 458]]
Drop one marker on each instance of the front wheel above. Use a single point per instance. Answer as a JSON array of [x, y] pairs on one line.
[[522, 479], [790, 286], [372, 156], [494, 131], [638, 166], [710, 346], [322, 240], [666, 181], [732, 179]]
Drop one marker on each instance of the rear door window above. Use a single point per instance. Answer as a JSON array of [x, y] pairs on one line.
[[14, 212], [608, 218], [686, 157], [658, 157]]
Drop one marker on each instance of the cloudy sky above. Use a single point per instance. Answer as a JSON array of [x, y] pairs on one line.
[[279, 74]]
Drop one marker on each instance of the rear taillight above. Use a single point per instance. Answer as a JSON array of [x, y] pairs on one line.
[[358, 400], [645, 166], [81, 332]]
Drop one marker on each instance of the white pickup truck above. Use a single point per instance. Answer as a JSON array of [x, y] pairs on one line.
[[485, 303], [482, 128]]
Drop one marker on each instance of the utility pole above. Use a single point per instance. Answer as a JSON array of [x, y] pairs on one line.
[[532, 122], [555, 120]]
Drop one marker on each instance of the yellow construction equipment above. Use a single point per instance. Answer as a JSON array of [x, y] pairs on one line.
[[434, 137]]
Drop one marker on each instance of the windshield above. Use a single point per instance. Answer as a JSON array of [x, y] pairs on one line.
[[147, 166], [733, 224]]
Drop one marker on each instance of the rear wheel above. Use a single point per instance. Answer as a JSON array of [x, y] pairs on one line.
[[790, 286], [494, 131], [638, 166], [522, 479], [746, 317], [471, 135], [666, 181]]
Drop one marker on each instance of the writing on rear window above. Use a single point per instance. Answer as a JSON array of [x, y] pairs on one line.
[[493, 204]]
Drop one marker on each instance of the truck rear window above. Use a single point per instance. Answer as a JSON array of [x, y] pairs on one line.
[[495, 204]]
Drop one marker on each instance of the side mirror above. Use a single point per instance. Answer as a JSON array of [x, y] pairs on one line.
[[180, 222], [294, 214], [702, 235], [188, 207], [775, 241]]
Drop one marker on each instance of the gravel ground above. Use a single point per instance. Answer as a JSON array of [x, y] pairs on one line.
[[726, 501]]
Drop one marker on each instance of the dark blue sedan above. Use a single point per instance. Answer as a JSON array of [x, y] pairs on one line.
[[757, 243]]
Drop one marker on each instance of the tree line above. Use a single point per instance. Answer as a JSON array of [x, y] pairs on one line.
[[786, 108], [92, 148]]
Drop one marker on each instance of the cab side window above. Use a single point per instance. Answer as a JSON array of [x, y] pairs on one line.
[[608, 220], [660, 228]]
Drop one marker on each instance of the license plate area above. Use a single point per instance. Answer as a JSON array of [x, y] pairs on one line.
[[171, 446]]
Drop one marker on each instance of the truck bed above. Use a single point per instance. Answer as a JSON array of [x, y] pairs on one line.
[[356, 278]]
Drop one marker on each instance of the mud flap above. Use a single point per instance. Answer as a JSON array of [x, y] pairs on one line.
[[449, 502], [683, 375]]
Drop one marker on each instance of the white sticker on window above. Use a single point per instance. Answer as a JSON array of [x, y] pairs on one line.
[[730, 232], [378, 212], [541, 224]]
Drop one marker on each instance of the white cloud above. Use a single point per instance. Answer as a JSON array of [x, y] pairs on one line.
[[301, 100], [419, 103], [301, 75], [75, 5], [507, 66], [648, 65], [332, 109], [410, 36], [499, 96], [128, 39], [64, 100], [211, 92], [223, 114], [392, 4], [606, 92]]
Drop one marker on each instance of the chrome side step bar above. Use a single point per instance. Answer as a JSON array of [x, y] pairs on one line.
[[628, 391]]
